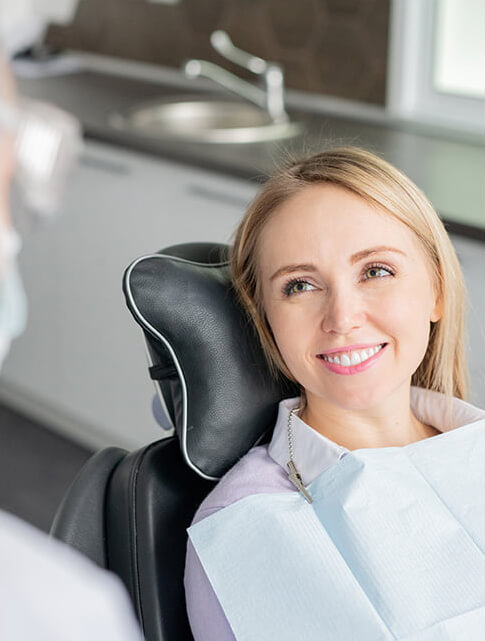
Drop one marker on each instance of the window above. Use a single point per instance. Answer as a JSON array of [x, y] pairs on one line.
[[459, 53], [437, 62]]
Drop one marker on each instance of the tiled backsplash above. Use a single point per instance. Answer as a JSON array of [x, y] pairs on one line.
[[333, 47]]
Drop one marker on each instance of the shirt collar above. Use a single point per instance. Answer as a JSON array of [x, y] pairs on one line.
[[314, 453]]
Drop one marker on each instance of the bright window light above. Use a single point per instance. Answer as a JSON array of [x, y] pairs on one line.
[[459, 66]]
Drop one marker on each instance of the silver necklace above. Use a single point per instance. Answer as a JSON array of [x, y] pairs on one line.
[[294, 474]]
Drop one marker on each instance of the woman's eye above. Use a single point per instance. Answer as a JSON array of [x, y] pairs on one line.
[[377, 271], [297, 287]]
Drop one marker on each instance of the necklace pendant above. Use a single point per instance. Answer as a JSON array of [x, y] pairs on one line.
[[295, 478]]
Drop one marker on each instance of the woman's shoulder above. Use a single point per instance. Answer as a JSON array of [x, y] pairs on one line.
[[254, 473], [443, 412]]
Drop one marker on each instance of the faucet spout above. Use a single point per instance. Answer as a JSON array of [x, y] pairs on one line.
[[271, 98], [195, 68]]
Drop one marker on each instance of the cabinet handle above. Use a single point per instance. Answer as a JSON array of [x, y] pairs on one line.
[[218, 196]]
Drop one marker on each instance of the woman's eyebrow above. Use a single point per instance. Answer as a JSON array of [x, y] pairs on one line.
[[288, 269], [360, 255], [365, 253]]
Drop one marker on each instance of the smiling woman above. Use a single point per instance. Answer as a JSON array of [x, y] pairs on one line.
[[373, 186], [356, 293], [363, 269]]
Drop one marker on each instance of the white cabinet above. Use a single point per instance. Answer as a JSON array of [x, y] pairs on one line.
[[80, 364], [472, 259]]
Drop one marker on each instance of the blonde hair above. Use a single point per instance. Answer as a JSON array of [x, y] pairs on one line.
[[443, 368]]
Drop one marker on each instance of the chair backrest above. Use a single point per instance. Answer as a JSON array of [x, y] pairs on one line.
[[151, 499], [212, 374], [217, 392], [80, 518], [128, 513]]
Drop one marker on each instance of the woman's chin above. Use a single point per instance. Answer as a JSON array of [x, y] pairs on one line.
[[354, 400]]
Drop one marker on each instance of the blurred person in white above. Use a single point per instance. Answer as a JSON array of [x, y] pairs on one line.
[[48, 592]]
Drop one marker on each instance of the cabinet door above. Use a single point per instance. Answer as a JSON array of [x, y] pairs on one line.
[[81, 363], [471, 254]]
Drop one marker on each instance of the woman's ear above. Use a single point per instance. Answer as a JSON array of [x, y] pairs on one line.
[[437, 311]]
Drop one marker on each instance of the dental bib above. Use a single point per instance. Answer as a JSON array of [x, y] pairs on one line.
[[392, 548]]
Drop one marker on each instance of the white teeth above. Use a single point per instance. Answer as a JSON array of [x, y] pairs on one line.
[[354, 357]]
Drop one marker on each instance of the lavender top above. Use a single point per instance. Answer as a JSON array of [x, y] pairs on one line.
[[264, 470]]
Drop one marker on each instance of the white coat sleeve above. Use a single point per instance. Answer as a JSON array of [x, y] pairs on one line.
[[49, 592]]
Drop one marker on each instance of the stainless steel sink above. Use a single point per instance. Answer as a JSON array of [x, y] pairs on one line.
[[204, 120]]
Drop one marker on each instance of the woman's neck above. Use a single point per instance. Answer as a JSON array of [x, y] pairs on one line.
[[391, 424]]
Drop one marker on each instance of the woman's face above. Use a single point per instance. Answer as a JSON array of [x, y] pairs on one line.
[[348, 295]]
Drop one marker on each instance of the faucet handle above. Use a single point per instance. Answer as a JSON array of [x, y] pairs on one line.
[[223, 44]]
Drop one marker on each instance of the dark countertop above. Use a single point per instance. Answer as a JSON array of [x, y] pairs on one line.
[[450, 170]]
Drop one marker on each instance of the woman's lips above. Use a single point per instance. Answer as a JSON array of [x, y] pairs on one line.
[[350, 348], [352, 361]]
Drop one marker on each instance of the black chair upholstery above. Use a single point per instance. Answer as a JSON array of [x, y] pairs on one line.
[[80, 519], [218, 394], [213, 376], [153, 497]]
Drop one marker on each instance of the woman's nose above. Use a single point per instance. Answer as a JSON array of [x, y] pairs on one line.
[[343, 311]]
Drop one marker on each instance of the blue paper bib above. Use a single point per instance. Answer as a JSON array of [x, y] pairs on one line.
[[392, 548]]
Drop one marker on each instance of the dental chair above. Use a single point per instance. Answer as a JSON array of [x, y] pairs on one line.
[[128, 512]]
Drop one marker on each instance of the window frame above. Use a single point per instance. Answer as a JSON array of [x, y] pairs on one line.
[[410, 91]]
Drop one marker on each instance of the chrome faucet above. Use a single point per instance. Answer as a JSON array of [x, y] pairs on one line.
[[271, 98]]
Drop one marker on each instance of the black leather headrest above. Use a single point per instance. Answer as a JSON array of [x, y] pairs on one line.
[[206, 357]]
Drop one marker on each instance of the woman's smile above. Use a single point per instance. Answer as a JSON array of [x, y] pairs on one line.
[[352, 360]]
